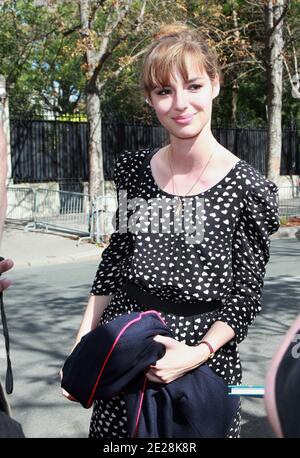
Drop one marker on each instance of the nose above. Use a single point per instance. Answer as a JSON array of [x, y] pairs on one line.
[[180, 100]]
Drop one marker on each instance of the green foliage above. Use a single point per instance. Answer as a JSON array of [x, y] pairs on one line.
[[42, 71], [42, 55]]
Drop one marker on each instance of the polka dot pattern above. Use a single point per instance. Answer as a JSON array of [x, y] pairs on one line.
[[237, 215]]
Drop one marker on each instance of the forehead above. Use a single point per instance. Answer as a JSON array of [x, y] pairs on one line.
[[184, 70], [192, 74], [193, 68]]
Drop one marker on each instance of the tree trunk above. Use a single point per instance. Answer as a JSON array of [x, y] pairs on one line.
[[96, 176], [235, 86], [93, 106], [234, 103], [274, 61]]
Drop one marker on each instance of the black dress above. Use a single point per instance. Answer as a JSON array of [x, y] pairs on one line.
[[238, 215]]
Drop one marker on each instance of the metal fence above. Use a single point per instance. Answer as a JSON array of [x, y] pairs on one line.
[[103, 212], [64, 210], [21, 204], [289, 201], [45, 151], [48, 150], [51, 209]]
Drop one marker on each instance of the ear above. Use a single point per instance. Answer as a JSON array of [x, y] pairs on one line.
[[215, 87]]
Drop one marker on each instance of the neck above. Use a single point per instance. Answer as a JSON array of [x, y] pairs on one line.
[[192, 153]]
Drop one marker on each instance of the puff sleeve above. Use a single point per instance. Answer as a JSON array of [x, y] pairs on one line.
[[115, 257], [250, 254]]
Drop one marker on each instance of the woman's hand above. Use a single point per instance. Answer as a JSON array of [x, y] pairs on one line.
[[64, 392], [5, 265], [178, 359]]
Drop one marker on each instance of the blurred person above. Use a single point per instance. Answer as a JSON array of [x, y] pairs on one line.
[[7, 264], [282, 386], [8, 426]]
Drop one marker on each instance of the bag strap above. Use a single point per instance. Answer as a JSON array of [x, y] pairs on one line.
[[144, 165], [9, 375]]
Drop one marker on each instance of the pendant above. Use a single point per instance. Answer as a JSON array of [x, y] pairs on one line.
[[178, 207]]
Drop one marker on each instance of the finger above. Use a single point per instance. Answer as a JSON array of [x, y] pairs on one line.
[[68, 396], [4, 284], [153, 370], [153, 378], [166, 341], [159, 338], [6, 265]]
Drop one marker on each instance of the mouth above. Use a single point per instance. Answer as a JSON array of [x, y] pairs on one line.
[[184, 119]]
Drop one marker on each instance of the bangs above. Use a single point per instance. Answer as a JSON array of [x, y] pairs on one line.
[[161, 66]]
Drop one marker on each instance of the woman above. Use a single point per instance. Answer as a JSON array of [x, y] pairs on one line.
[[220, 273]]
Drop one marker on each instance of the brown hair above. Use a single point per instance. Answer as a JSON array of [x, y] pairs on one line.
[[170, 47]]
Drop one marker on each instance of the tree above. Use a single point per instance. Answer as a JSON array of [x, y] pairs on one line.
[[101, 35], [229, 27], [275, 12], [38, 39]]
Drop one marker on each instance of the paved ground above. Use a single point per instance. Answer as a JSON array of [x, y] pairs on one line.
[[38, 248], [44, 308]]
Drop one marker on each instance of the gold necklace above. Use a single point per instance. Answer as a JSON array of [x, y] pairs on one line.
[[178, 206]]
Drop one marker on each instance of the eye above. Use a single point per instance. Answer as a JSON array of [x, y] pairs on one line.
[[195, 86], [163, 91]]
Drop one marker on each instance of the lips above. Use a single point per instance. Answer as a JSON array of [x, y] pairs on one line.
[[184, 119], [179, 118]]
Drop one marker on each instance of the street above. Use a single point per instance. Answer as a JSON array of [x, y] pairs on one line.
[[44, 309]]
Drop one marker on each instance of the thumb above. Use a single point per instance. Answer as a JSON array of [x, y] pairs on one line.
[[167, 341]]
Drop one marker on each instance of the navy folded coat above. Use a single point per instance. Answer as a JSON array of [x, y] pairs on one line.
[[113, 358]]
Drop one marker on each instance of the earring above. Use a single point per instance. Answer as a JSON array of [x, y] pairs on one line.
[[147, 101]]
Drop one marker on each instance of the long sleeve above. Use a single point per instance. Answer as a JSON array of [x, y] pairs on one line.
[[258, 220], [115, 257]]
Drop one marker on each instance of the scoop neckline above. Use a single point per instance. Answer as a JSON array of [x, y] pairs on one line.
[[192, 195]]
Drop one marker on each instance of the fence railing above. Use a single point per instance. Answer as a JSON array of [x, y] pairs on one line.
[[77, 213], [103, 212], [289, 201], [66, 211], [61, 210], [21, 204]]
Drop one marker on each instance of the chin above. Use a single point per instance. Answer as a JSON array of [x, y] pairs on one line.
[[185, 132], [186, 137]]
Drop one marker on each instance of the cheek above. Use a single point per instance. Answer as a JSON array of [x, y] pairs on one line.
[[163, 107], [204, 99]]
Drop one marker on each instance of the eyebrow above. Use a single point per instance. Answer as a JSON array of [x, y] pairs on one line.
[[201, 78], [195, 79]]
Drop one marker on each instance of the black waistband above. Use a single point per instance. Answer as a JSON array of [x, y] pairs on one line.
[[167, 306]]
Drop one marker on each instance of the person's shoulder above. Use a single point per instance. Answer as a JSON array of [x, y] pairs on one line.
[[255, 182], [128, 158], [128, 164], [260, 198]]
